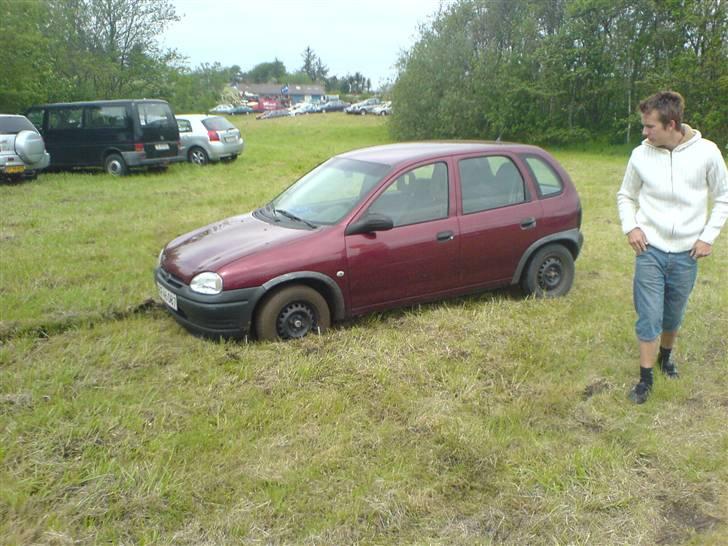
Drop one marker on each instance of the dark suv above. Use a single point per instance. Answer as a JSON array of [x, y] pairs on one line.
[[114, 134], [377, 228]]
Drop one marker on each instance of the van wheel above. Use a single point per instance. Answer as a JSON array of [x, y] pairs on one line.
[[292, 312], [115, 165], [198, 156], [550, 272]]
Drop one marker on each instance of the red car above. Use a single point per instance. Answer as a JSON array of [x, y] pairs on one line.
[[376, 228]]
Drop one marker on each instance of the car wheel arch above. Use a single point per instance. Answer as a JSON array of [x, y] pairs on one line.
[[571, 240], [323, 284]]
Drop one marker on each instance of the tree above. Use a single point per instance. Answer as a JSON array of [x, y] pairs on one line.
[[272, 72]]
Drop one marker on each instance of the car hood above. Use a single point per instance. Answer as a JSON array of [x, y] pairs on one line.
[[216, 245]]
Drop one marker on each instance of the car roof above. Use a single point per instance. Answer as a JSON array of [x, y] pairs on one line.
[[96, 102], [11, 116], [197, 116], [394, 154]]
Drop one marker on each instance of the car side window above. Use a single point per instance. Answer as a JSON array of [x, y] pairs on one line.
[[65, 118], [184, 126], [490, 182], [106, 117], [549, 183], [36, 118], [419, 195]]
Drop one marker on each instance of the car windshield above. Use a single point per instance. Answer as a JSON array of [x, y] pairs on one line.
[[330, 191], [15, 124]]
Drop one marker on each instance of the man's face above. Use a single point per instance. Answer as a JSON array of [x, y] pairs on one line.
[[654, 131]]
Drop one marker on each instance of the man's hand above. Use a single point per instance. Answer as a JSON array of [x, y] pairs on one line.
[[700, 249], [637, 240]]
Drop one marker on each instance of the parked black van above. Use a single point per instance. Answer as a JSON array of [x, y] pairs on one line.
[[114, 134]]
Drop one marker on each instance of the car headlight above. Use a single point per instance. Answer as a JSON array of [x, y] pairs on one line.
[[207, 283], [159, 258]]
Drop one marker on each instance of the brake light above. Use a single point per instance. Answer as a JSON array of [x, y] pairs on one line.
[[212, 135], [138, 147]]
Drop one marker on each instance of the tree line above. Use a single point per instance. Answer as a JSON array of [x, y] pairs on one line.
[[562, 71], [70, 50]]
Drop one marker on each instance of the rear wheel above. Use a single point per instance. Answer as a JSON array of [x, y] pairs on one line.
[[198, 156], [292, 312], [550, 272], [115, 165]]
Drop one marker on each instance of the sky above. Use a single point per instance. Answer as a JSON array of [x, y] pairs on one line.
[[349, 36]]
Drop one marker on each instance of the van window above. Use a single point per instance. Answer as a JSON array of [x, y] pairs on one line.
[[155, 114], [65, 118], [106, 117], [36, 118]]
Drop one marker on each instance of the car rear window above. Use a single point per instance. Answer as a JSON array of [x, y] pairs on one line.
[[15, 124], [156, 114], [217, 124]]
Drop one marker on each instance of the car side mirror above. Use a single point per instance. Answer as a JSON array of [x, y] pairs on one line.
[[369, 223]]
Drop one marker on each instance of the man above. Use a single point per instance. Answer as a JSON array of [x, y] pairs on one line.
[[663, 205]]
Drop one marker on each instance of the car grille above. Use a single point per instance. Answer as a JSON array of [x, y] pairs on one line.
[[171, 279]]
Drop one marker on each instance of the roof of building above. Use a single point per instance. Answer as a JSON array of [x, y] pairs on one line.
[[276, 88]]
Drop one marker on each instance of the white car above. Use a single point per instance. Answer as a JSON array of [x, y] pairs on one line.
[[208, 138], [22, 150]]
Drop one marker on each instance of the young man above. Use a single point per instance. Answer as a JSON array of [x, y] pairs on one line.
[[663, 204]]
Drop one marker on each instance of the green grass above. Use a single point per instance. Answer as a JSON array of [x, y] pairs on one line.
[[491, 419]]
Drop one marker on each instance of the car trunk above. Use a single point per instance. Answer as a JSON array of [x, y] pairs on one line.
[[159, 130]]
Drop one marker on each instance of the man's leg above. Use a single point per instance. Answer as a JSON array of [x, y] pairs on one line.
[[649, 295], [681, 272]]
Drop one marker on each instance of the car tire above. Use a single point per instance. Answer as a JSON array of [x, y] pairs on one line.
[[198, 156], [363, 113], [115, 165], [550, 272], [292, 312]]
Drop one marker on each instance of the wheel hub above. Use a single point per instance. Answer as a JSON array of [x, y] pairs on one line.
[[550, 273], [295, 320]]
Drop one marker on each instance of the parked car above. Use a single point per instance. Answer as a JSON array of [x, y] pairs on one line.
[[208, 138], [383, 109], [334, 106], [22, 150], [268, 114], [378, 228], [241, 110], [223, 109], [116, 135], [364, 107], [303, 108]]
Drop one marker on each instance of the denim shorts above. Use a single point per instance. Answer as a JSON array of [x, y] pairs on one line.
[[662, 285]]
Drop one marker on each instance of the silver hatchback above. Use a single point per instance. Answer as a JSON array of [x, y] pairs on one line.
[[208, 138], [22, 150]]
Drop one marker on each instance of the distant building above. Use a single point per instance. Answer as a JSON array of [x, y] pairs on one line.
[[271, 96]]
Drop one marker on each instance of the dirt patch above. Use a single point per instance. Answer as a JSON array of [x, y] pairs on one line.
[[682, 521], [596, 387]]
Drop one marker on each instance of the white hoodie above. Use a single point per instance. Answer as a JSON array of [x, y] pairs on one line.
[[665, 193]]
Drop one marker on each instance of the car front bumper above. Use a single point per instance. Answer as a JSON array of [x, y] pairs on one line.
[[228, 314]]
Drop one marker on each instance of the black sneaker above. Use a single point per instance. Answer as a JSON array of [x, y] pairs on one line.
[[668, 367], [640, 392]]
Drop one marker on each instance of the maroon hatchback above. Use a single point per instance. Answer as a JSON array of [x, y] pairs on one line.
[[377, 228]]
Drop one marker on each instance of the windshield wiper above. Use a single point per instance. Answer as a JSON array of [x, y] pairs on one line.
[[294, 217]]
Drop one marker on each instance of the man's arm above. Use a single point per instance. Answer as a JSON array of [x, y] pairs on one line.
[[627, 204], [717, 179]]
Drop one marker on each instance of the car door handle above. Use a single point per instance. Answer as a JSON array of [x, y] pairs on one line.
[[445, 236], [528, 223]]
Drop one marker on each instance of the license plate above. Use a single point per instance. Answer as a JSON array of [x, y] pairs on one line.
[[167, 297], [15, 169], [161, 147]]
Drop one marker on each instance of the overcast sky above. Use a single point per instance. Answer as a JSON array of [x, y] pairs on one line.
[[348, 35]]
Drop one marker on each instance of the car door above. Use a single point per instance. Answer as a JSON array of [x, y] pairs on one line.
[[64, 136], [418, 257], [499, 218]]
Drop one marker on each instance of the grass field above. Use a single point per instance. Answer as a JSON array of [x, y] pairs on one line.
[[485, 420]]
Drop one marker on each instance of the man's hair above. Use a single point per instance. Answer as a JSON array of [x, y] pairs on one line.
[[670, 106]]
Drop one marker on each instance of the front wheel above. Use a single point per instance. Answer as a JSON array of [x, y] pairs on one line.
[[550, 272], [291, 313], [115, 165]]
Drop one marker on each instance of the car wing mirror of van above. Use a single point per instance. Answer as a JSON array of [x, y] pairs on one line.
[[369, 223]]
